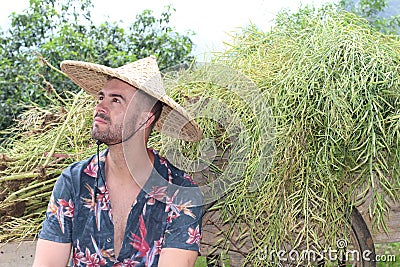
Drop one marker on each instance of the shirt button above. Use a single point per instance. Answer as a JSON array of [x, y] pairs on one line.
[[108, 240]]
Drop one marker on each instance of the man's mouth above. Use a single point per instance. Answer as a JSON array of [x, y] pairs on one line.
[[100, 119]]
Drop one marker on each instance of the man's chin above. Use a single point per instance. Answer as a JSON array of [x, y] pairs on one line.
[[100, 138], [105, 140]]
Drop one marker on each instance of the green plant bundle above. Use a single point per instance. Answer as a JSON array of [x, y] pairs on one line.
[[333, 85], [44, 142]]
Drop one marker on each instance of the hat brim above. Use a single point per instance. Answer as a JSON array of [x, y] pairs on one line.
[[174, 119]]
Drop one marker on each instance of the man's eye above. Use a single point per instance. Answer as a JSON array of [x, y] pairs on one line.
[[116, 100], [100, 98]]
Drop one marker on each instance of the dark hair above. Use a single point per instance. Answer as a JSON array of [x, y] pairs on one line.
[[151, 104], [156, 110]]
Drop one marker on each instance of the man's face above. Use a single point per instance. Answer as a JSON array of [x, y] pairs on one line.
[[109, 114]]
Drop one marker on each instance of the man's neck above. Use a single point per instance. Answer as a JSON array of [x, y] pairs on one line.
[[129, 160]]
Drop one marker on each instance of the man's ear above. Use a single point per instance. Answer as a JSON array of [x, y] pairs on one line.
[[149, 118]]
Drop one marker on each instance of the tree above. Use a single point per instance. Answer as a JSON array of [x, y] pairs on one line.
[[50, 31], [381, 14]]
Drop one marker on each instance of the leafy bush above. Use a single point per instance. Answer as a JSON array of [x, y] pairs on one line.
[[59, 30]]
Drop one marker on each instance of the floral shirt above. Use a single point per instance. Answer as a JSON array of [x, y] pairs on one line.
[[166, 214]]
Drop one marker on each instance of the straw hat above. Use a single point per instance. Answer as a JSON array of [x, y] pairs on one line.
[[145, 75]]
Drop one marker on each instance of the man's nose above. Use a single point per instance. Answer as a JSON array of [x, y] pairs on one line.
[[100, 107]]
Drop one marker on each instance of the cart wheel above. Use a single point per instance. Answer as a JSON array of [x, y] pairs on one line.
[[218, 235], [362, 241], [355, 245]]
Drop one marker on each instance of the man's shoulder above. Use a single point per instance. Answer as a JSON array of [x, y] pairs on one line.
[[174, 174], [78, 167], [180, 184]]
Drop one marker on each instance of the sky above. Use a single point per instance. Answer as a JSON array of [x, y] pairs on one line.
[[212, 20]]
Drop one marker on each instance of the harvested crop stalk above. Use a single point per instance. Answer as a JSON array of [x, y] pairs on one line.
[[61, 131]]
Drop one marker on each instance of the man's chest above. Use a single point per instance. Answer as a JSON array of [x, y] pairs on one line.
[[131, 221], [122, 201]]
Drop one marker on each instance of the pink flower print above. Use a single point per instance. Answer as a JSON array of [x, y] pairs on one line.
[[91, 169], [175, 210], [68, 207], [78, 255], [103, 253], [158, 193], [77, 258], [102, 198], [194, 236], [60, 210], [139, 242], [64, 208], [164, 162], [99, 204], [129, 263], [92, 260], [170, 200]]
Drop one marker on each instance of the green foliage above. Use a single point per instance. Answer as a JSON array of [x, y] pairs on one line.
[[332, 82], [377, 12], [43, 144], [51, 31]]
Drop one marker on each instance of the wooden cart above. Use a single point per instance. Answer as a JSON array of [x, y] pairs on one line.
[[214, 230]]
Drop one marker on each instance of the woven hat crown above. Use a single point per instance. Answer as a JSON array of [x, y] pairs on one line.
[[144, 73]]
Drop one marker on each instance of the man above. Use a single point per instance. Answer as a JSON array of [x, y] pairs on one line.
[[126, 206]]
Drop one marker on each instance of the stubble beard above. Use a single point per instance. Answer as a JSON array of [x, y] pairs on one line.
[[115, 133], [110, 135]]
